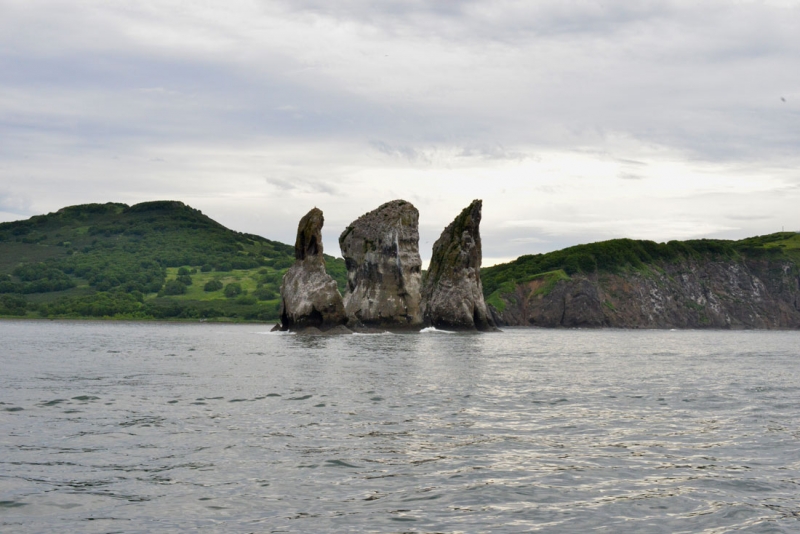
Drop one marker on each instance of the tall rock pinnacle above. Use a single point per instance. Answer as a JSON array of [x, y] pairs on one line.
[[453, 293], [309, 236], [309, 297], [381, 251]]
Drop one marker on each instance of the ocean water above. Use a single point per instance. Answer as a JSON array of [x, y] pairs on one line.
[[125, 427]]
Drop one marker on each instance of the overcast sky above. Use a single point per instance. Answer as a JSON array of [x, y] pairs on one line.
[[575, 121]]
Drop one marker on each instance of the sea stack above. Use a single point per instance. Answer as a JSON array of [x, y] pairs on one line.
[[384, 281], [453, 293], [309, 297]]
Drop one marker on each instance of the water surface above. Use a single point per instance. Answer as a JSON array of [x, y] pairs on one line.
[[125, 427]]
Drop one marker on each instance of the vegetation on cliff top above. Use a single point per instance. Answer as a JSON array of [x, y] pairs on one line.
[[153, 260], [448, 256], [619, 254]]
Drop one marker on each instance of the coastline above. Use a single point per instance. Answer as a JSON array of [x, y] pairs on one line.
[[8, 319]]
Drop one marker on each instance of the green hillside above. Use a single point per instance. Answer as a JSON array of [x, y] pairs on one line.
[[619, 254], [152, 260], [162, 260]]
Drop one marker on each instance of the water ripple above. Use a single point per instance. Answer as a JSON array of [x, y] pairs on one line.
[[172, 428]]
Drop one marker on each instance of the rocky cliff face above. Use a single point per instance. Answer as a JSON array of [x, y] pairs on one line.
[[453, 294], [755, 293], [309, 297], [381, 251]]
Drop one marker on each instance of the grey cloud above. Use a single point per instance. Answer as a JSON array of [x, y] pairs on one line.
[[513, 242], [526, 240], [15, 204], [424, 154], [749, 217], [492, 152], [696, 77], [499, 20], [405, 152], [491, 81], [302, 185]]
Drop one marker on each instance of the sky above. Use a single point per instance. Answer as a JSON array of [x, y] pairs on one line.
[[574, 120]]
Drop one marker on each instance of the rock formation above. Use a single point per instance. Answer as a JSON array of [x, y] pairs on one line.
[[453, 293], [381, 251], [309, 297], [691, 293]]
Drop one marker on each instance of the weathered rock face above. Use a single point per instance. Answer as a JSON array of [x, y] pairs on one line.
[[753, 293], [309, 236], [384, 280], [309, 297], [453, 294]]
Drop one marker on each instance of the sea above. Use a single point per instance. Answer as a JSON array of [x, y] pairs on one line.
[[152, 427]]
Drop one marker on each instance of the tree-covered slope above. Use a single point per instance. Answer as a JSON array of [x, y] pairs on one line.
[[151, 260]]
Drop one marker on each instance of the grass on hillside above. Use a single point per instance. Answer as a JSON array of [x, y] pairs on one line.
[[548, 283], [116, 260]]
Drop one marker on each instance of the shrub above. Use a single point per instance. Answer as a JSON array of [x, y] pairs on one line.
[[284, 263], [212, 285], [173, 287], [103, 286], [265, 293], [184, 279], [234, 289], [12, 305], [10, 287]]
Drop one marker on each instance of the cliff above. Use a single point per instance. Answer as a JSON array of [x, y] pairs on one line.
[[703, 284]]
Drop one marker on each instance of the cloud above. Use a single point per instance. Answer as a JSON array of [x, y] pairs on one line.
[[492, 152], [14, 204], [749, 217], [591, 120], [526, 240], [647, 228], [301, 185], [404, 152], [415, 72]]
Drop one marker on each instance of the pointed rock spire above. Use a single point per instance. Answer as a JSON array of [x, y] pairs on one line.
[[309, 236], [309, 296], [453, 293]]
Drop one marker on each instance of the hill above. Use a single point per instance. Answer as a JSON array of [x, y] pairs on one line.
[[163, 259], [157, 260], [751, 283]]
